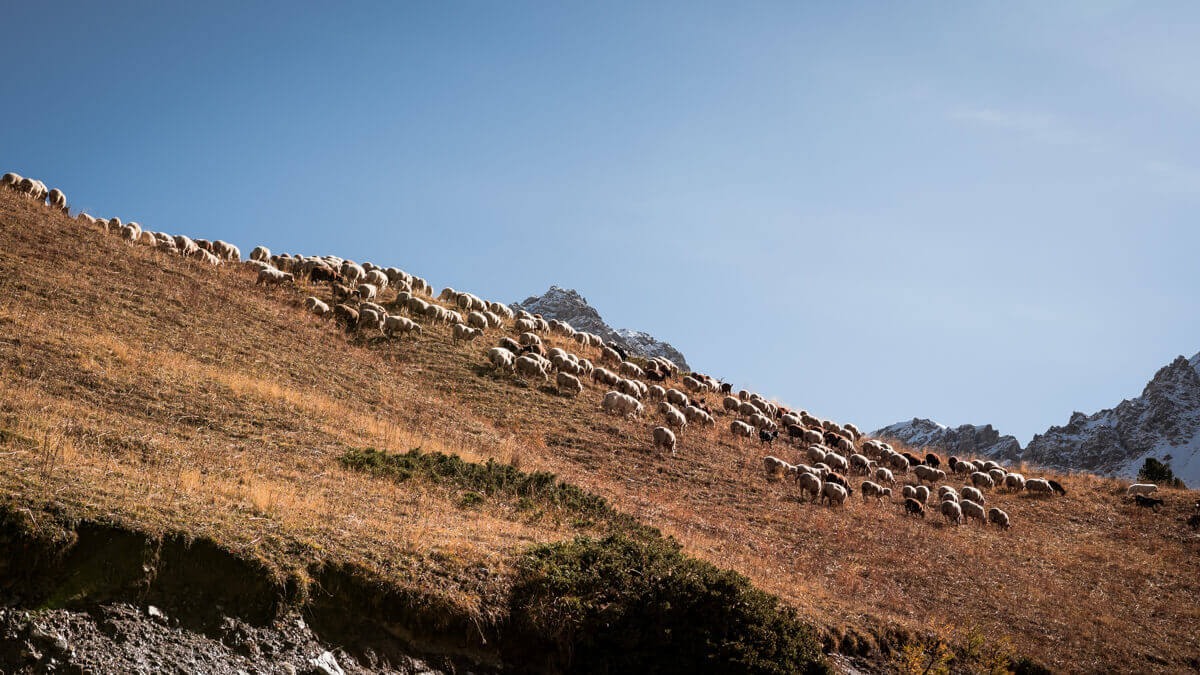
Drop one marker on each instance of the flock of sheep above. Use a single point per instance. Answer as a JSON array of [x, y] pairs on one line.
[[831, 451]]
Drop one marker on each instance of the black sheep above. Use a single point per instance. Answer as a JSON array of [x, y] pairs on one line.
[[1057, 487], [765, 436], [1148, 502]]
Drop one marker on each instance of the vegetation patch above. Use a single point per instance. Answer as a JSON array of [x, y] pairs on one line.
[[620, 604]]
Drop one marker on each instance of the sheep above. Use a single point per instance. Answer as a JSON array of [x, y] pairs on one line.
[[875, 490], [531, 366], [997, 475], [568, 384], [606, 376], [952, 511], [677, 397], [57, 200], [529, 338], [630, 369], [971, 510], [962, 467], [367, 291], [664, 438], [775, 466], [884, 476], [931, 459], [695, 414], [946, 492], [861, 463], [761, 421], [464, 332], [908, 492], [261, 254], [1000, 518], [928, 473], [981, 479], [1039, 486], [615, 401], [656, 393], [393, 324], [478, 320], [502, 358], [810, 483], [273, 277], [899, 463], [346, 315], [1057, 487], [832, 492], [675, 418], [316, 307], [353, 273], [836, 461], [740, 428], [914, 507], [370, 318], [1014, 482], [1141, 489], [973, 494], [921, 493]]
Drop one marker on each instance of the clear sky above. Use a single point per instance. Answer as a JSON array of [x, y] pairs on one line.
[[974, 212]]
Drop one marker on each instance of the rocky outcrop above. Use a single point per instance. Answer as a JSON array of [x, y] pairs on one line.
[[967, 440], [568, 305], [1163, 423]]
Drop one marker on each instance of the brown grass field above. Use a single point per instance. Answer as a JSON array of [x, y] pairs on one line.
[[170, 395]]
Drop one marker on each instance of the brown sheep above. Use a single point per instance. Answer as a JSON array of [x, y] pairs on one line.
[[914, 507]]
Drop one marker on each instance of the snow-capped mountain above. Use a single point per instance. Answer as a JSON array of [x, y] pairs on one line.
[[966, 440], [1163, 423], [568, 305]]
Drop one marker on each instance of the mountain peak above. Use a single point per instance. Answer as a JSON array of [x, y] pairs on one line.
[[968, 439], [567, 304]]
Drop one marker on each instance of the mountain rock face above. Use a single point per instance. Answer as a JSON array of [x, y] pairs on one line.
[[966, 440], [568, 305], [1163, 423]]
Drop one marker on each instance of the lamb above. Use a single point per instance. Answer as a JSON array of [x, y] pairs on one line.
[[740, 428], [914, 507], [998, 517], [875, 490], [973, 494], [981, 479], [664, 438], [1141, 489], [464, 332], [952, 511], [884, 476], [810, 483], [531, 366], [832, 492], [273, 277]]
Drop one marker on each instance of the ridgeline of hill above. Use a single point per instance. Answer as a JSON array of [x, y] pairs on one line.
[[171, 433]]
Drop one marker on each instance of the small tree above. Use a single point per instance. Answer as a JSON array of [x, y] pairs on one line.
[[1154, 471]]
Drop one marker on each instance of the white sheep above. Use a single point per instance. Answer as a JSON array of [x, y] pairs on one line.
[[674, 417], [740, 428], [952, 511], [973, 494], [464, 332], [928, 473], [501, 358], [367, 291], [1141, 489], [998, 517], [569, 384], [982, 480], [811, 483], [478, 320], [832, 492], [971, 510], [921, 493], [1014, 482], [677, 397], [530, 366], [870, 489], [269, 275], [261, 254], [664, 438]]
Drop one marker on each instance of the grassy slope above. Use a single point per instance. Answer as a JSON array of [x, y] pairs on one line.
[[170, 394]]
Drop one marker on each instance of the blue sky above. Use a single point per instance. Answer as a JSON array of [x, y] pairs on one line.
[[975, 212]]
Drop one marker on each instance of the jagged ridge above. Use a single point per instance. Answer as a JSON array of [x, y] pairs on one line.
[[566, 304]]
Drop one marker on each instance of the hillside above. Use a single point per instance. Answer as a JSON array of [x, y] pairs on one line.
[[1163, 423], [568, 305], [151, 402]]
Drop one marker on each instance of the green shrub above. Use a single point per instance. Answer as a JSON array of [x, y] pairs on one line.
[[619, 605], [1154, 471]]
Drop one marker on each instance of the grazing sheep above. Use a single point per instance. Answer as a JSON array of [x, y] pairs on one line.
[[656, 393], [695, 414], [677, 397], [346, 315], [775, 466], [914, 507], [952, 511], [530, 366], [316, 306], [570, 385], [261, 254], [1141, 489], [1038, 486], [884, 476], [946, 492], [731, 404], [502, 358], [510, 344], [832, 492], [477, 320], [367, 291], [962, 467], [875, 490], [972, 494], [810, 483], [740, 428], [393, 324], [921, 493], [57, 200], [982, 480], [1014, 482], [997, 475], [928, 473], [370, 318], [615, 401], [836, 461], [273, 277], [529, 338], [464, 332], [675, 418], [971, 510], [630, 370], [998, 517], [1057, 487], [908, 492], [899, 463], [664, 438]]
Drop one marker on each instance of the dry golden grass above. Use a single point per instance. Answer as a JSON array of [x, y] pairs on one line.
[[174, 395]]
